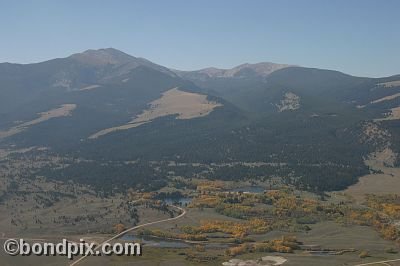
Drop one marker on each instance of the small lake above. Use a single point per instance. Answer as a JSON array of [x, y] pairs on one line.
[[180, 201], [165, 243]]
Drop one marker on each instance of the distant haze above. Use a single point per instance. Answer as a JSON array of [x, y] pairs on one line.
[[355, 37]]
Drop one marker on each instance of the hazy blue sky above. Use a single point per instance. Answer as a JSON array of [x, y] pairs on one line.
[[358, 37]]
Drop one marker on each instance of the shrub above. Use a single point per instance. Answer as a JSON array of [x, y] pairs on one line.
[[364, 254], [391, 250]]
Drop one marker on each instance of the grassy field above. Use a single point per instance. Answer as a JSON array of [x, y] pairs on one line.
[[50, 211], [327, 235], [385, 182], [185, 105]]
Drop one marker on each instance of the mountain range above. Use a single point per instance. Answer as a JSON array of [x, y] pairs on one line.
[[311, 126]]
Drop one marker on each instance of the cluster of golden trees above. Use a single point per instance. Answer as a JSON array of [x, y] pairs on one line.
[[207, 186], [205, 201], [236, 230], [278, 205], [286, 244], [388, 204], [376, 220], [119, 228]]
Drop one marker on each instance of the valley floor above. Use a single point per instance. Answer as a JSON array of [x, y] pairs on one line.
[[226, 222]]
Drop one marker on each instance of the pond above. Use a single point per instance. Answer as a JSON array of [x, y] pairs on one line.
[[178, 201], [151, 241]]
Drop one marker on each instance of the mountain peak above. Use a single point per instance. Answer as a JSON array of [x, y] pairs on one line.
[[103, 57], [262, 69], [121, 62]]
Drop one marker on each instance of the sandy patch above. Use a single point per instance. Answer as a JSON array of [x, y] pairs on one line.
[[90, 87], [64, 110], [290, 102], [390, 84], [186, 105], [4, 153], [113, 129], [63, 83], [387, 98], [393, 115], [264, 261], [381, 159]]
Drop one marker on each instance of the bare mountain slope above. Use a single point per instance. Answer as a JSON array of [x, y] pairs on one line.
[[245, 70]]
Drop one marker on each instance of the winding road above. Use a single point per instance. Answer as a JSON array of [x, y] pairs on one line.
[[131, 229]]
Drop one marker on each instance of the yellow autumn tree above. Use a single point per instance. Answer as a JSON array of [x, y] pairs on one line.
[[119, 228]]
